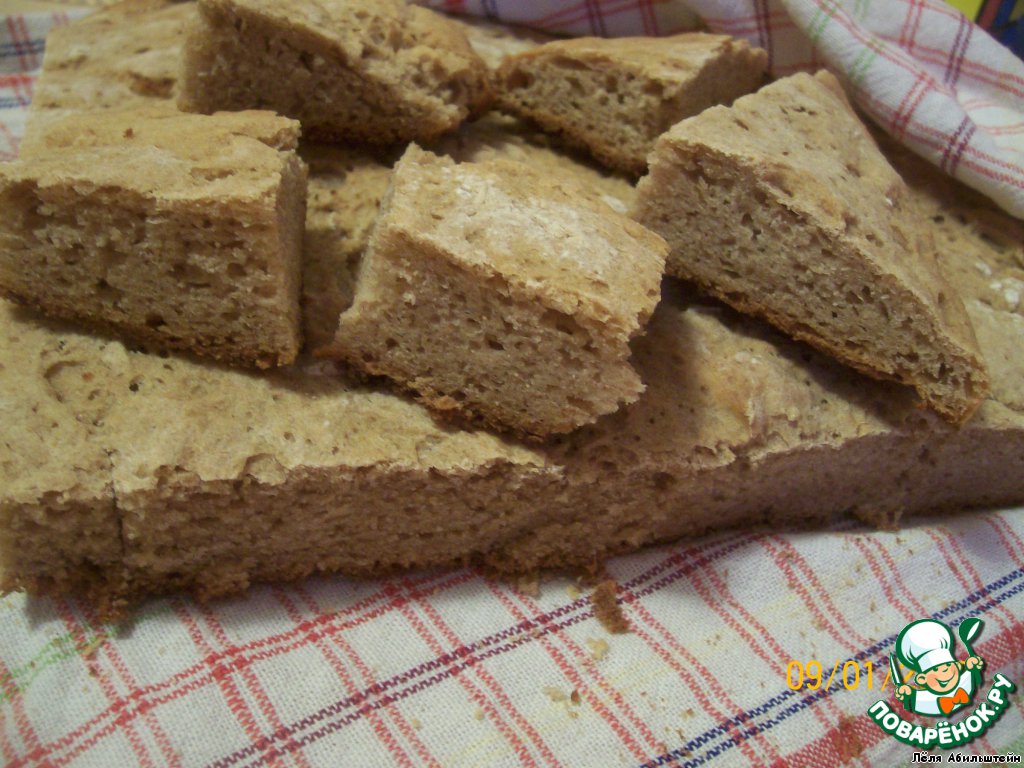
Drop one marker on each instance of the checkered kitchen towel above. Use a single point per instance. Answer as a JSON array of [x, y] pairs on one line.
[[745, 649]]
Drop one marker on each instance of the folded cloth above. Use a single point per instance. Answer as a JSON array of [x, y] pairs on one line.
[[930, 77]]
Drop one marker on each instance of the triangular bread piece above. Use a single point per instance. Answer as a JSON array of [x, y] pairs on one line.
[[379, 71], [783, 206]]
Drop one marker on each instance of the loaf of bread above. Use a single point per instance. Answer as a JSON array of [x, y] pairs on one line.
[[614, 97], [181, 231], [501, 292], [378, 71], [783, 206]]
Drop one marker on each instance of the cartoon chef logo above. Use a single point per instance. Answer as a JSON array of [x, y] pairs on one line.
[[942, 685]]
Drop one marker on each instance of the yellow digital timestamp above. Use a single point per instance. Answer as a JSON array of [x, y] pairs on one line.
[[812, 675]]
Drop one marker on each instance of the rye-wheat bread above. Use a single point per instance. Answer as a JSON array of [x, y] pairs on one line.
[[783, 206], [502, 292], [125, 55], [181, 231], [378, 71]]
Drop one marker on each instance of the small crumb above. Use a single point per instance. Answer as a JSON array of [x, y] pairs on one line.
[[129, 133], [555, 694], [574, 697], [528, 585], [416, 724], [688, 713], [479, 714], [607, 609], [598, 649], [573, 591]]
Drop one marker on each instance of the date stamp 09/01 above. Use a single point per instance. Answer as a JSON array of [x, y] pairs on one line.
[[812, 675]]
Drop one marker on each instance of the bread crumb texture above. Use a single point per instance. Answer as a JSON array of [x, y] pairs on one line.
[[379, 71], [819, 238], [124, 474], [497, 290]]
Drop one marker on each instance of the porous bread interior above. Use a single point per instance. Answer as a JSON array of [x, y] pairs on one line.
[[380, 75], [594, 95], [246, 478], [217, 279], [504, 358], [775, 263], [753, 439]]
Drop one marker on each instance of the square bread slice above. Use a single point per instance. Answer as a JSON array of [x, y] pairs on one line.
[[614, 97], [783, 206], [183, 231], [379, 71], [498, 291]]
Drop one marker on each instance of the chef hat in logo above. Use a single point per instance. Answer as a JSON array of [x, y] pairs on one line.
[[924, 644]]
